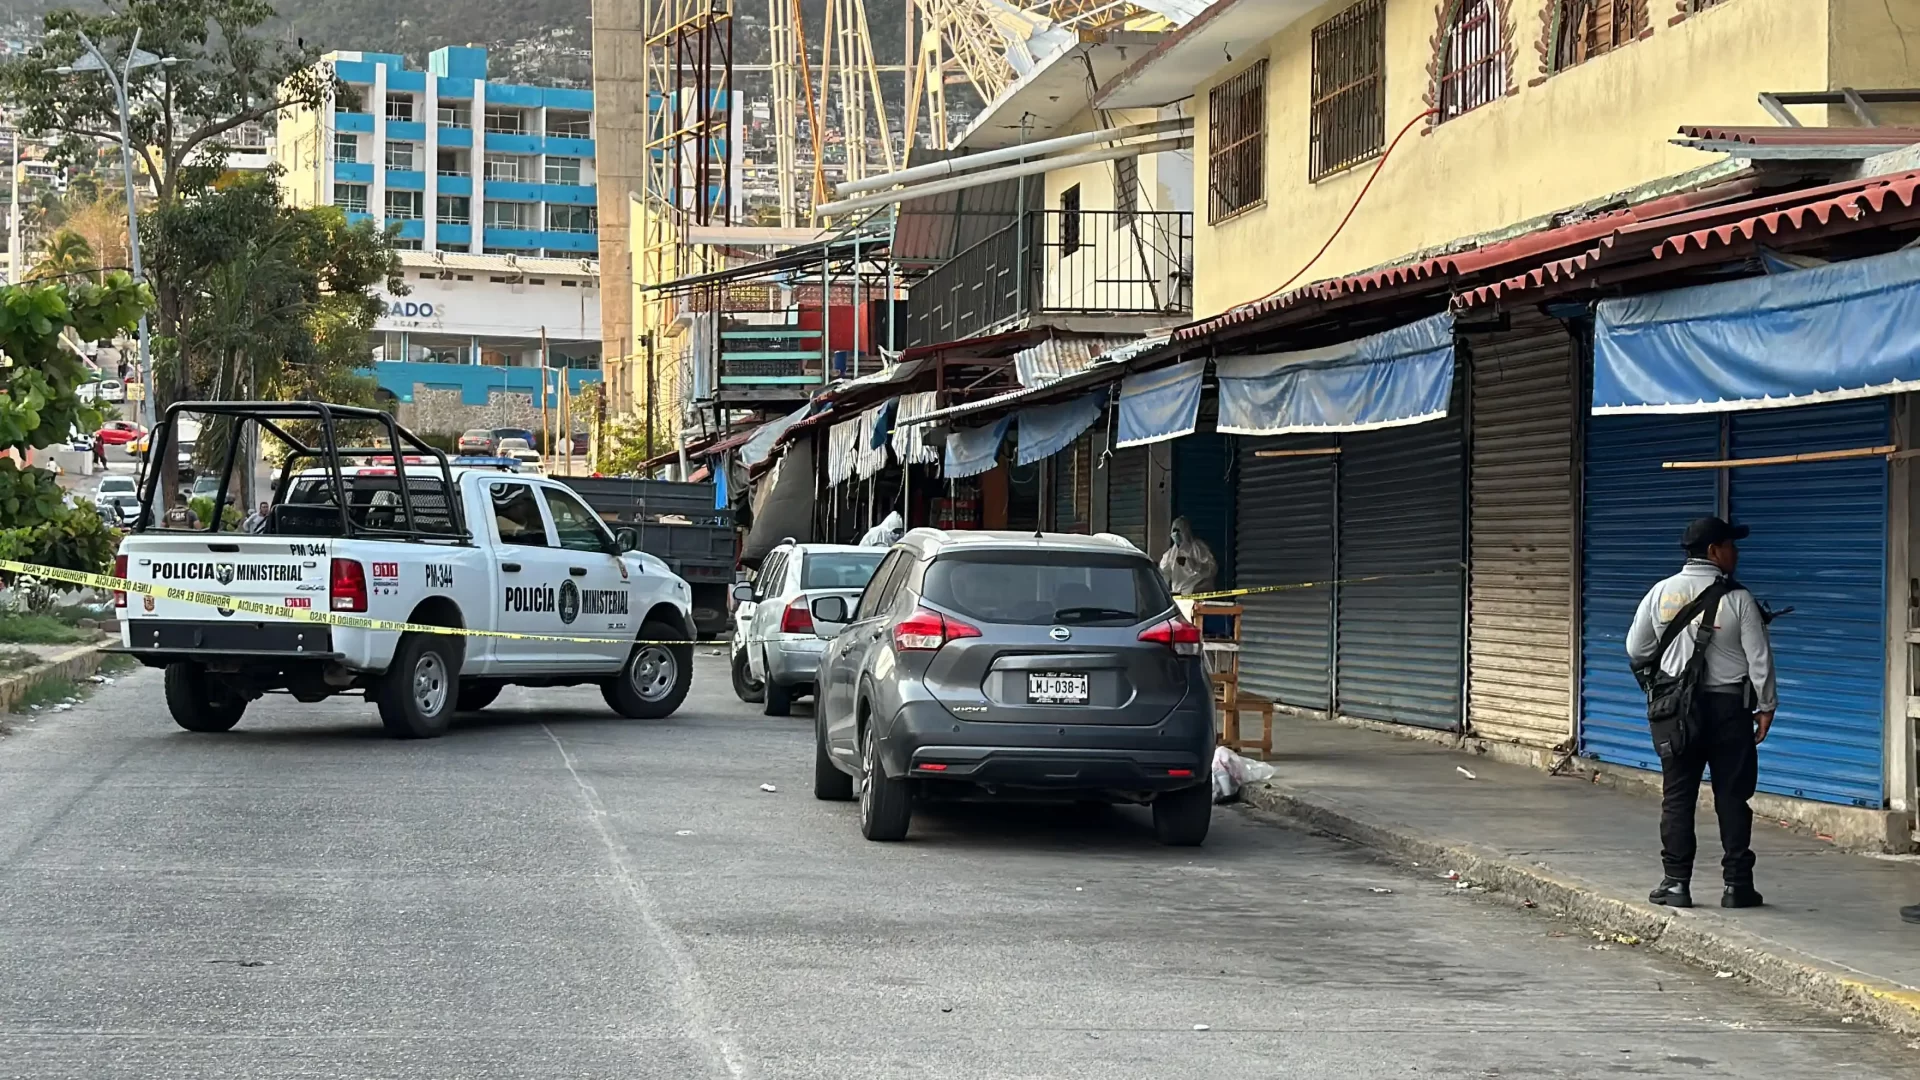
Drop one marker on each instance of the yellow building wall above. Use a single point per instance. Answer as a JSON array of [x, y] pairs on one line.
[[1587, 132], [298, 149], [1872, 44]]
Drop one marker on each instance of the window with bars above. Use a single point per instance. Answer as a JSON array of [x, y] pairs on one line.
[[1237, 143], [350, 197], [400, 108], [1584, 29], [403, 205], [346, 146], [1349, 108], [1070, 221], [1473, 60]]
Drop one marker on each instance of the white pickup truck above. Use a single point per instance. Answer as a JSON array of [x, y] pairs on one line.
[[509, 552]]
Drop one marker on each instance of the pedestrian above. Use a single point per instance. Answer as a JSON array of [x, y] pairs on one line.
[[180, 515], [257, 521], [99, 453], [1728, 717]]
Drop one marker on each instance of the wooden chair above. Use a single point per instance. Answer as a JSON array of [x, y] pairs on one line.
[[1222, 653]]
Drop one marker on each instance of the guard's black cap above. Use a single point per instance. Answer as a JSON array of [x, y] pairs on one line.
[[1711, 530]]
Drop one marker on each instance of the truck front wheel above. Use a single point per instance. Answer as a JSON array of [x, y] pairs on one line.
[[419, 692], [201, 702], [656, 677]]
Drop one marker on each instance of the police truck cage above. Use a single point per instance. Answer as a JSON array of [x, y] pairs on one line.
[[316, 495]]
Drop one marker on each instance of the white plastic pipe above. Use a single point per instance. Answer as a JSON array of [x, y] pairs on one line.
[[970, 162], [990, 176]]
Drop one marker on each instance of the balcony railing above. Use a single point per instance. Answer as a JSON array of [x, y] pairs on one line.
[[1091, 262]]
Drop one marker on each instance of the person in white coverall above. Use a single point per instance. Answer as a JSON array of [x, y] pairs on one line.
[[1188, 565], [885, 533]]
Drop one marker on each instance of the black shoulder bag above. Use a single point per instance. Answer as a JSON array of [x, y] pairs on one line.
[[1673, 701]]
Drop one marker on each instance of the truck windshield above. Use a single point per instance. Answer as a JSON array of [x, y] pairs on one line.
[[840, 569], [1037, 588]]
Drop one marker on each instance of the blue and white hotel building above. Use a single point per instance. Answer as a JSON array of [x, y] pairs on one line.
[[461, 163]]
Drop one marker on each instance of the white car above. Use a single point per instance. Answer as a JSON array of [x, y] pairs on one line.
[[522, 555], [776, 653], [518, 450], [112, 390]]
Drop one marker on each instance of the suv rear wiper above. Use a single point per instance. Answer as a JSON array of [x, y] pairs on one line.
[[1084, 614]]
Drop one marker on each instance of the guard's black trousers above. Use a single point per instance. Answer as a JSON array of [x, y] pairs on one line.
[[1725, 744]]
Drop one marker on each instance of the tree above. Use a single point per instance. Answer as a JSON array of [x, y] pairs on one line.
[[278, 301], [226, 75], [67, 255], [40, 405]]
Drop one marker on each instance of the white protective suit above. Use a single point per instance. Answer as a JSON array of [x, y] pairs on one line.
[[1188, 565], [885, 533]]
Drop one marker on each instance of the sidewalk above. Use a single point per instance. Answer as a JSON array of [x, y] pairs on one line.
[[1830, 934]]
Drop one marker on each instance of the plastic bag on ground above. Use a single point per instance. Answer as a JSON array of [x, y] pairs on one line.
[[1232, 771]]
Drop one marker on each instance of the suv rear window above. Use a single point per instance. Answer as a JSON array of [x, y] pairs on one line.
[[1036, 588], [840, 569]]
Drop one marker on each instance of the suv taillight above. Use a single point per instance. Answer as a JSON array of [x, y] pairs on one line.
[[120, 571], [926, 631], [347, 586], [797, 619], [1177, 634]]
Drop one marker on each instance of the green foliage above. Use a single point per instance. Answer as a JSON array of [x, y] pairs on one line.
[[68, 254], [202, 506], [231, 70], [41, 403], [623, 445], [29, 629]]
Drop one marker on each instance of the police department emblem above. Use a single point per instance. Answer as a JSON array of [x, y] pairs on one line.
[[569, 602], [223, 573]]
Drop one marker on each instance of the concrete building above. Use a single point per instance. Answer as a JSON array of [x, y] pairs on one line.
[[462, 164]]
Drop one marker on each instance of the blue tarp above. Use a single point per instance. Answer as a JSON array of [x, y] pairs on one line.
[[1160, 404], [972, 451], [1047, 429], [1401, 376], [1847, 330]]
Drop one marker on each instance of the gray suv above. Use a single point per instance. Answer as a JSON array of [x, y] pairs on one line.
[[1023, 665]]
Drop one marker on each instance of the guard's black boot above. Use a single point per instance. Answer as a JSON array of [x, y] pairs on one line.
[[1911, 913], [1673, 892], [1740, 896]]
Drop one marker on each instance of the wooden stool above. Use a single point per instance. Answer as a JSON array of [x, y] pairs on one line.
[[1230, 734]]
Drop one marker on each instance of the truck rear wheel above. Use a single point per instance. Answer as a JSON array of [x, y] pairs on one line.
[[418, 694], [199, 701], [656, 677]]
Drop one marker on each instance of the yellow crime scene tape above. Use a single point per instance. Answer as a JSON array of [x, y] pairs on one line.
[[307, 615], [1255, 590], [361, 622]]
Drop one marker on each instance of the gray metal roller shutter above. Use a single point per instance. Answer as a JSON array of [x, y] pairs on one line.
[[1520, 592], [1284, 536], [1127, 495], [1399, 652]]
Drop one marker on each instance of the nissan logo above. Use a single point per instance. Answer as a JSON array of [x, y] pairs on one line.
[[1059, 633]]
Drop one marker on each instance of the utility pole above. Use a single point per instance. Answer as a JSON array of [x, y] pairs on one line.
[[14, 240], [95, 60]]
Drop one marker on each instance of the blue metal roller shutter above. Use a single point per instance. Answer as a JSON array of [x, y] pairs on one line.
[[1402, 515], [1285, 537], [1635, 513], [1819, 545]]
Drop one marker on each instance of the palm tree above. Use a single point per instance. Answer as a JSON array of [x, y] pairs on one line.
[[67, 254]]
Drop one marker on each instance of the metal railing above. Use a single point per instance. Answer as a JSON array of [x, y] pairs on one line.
[[1089, 262]]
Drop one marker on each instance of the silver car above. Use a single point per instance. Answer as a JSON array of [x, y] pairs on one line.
[[776, 652]]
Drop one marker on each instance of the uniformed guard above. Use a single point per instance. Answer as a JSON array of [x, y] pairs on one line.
[[1699, 646]]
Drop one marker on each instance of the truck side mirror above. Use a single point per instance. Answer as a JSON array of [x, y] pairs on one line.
[[626, 539]]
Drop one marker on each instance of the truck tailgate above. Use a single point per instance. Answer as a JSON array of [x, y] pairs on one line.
[[272, 570]]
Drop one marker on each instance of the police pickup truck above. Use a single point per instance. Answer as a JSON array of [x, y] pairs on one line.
[[474, 548]]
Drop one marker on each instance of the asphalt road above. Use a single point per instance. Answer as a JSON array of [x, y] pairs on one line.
[[552, 892]]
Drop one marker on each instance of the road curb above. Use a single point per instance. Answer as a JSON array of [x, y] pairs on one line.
[[76, 663], [1703, 937]]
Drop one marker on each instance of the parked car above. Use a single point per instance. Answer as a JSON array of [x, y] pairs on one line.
[[118, 499], [120, 432], [519, 450], [478, 441], [521, 433], [1016, 665], [777, 655], [112, 390]]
